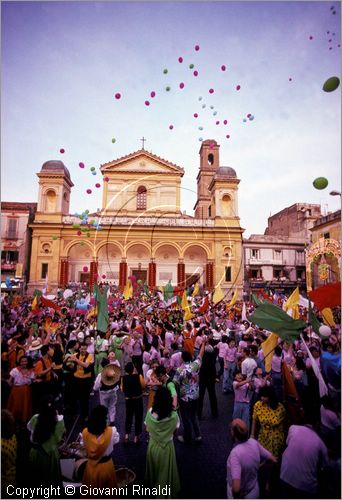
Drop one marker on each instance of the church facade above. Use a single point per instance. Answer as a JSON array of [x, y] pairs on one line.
[[141, 229]]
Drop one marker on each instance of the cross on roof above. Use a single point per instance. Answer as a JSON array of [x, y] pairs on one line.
[[143, 141]]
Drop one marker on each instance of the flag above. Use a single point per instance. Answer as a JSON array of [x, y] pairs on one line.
[[92, 313], [292, 303], [313, 320], [146, 290], [218, 295], [295, 412], [49, 303], [233, 299], [323, 390], [268, 347], [196, 290], [128, 290], [34, 305], [326, 296], [244, 313], [276, 320], [205, 305], [257, 300], [168, 291], [188, 315], [185, 304], [327, 315]]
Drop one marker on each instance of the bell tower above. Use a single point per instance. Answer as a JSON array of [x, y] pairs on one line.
[[54, 192], [209, 163]]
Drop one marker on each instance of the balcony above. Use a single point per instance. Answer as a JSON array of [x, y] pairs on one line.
[[252, 261], [8, 266]]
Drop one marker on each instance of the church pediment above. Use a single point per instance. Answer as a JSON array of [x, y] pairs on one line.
[[141, 162]]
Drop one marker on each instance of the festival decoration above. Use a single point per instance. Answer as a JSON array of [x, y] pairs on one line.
[[320, 183], [331, 84]]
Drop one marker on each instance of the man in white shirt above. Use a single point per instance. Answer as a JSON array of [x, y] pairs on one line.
[[248, 365]]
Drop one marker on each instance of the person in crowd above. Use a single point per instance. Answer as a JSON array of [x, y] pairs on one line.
[[207, 379], [276, 372], [47, 429], [20, 398], [303, 459], [101, 351], [189, 340], [132, 385], [248, 364], [242, 397], [164, 379], [69, 368], [82, 382], [222, 346], [8, 452], [107, 383], [137, 350], [330, 428], [268, 425], [229, 366], [152, 383], [187, 376], [161, 422], [44, 376], [243, 463], [99, 439]]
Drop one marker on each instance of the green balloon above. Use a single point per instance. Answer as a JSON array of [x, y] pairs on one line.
[[165, 71], [113, 140], [92, 169], [320, 183], [168, 89], [331, 84], [191, 66]]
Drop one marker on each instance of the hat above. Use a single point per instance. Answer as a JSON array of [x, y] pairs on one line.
[[80, 336], [110, 375], [36, 344]]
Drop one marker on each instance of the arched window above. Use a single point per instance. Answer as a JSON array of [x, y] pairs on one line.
[[51, 199], [141, 198], [210, 159]]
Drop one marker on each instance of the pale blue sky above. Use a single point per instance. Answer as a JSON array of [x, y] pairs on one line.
[[62, 63]]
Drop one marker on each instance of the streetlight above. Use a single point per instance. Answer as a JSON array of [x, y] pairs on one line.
[[335, 193]]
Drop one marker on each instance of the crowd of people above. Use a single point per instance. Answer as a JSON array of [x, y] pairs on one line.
[[57, 356]]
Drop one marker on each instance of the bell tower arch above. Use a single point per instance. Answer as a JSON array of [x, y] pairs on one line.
[[209, 163]]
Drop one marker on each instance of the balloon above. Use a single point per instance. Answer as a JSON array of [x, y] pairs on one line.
[[168, 89], [94, 173], [200, 139], [79, 233], [331, 84], [75, 226], [54, 238], [214, 113], [223, 68], [84, 222], [88, 235], [170, 127], [290, 79], [92, 169], [113, 140], [195, 73], [197, 47], [139, 282], [153, 94], [165, 71], [227, 136], [324, 330], [81, 165], [117, 95], [203, 106], [251, 118], [249, 114], [225, 122], [86, 211], [310, 37], [217, 123], [88, 191], [211, 107], [85, 269], [191, 66], [244, 120], [320, 183], [195, 115], [147, 103], [211, 91], [180, 59], [62, 150], [200, 98], [106, 179], [181, 85], [103, 276], [238, 87], [200, 128], [97, 185]]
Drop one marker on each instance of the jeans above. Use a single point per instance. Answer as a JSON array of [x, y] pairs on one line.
[[228, 377], [188, 411], [109, 400], [241, 410]]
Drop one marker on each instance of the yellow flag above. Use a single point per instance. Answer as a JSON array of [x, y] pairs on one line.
[[92, 312], [34, 304], [268, 349], [292, 303], [188, 314], [128, 290], [327, 315], [184, 304], [218, 295], [196, 289], [234, 298]]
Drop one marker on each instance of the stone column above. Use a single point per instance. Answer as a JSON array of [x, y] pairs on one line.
[[93, 273], [64, 271], [209, 275], [152, 274], [122, 274], [181, 274]]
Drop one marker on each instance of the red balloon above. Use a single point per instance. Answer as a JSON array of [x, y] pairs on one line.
[[147, 103], [81, 165], [195, 115], [88, 191], [153, 94], [211, 91], [180, 59], [97, 185], [238, 87], [227, 136], [223, 68], [79, 233], [225, 122], [103, 276], [117, 95], [197, 48], [181, 85], [195, 73], [249, 114], [106, 179], [212, 145], [85, 269], [62, 150], [170, 127]]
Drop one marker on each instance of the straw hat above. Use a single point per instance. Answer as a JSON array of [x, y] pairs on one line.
[[36, 344], [110, 375]]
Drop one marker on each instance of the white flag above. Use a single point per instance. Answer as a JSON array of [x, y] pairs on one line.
[[323, 390]]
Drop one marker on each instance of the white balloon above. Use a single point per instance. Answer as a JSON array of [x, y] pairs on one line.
[[325, 330]]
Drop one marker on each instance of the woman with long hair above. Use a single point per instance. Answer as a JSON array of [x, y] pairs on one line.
[[20, 398], [47, 430], [99, 440], [161, 422]]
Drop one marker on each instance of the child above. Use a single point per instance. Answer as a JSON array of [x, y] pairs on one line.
[[241, 398], [132, 385]]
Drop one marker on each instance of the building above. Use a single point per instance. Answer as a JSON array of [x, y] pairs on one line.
[[323, 256], [294, 221], [140, 230], [16, 239]]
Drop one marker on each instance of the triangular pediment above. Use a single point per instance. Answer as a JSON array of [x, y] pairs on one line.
[[142, 162]]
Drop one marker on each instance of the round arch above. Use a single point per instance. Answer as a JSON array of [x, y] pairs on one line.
[[72, 243], [134, 243], [164, 243], [203, 246], [104, 243]]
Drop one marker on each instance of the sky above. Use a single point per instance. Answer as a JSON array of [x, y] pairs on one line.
[[63, 63]]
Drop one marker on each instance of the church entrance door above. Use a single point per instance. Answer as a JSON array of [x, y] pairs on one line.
[[140, 274], [84, 278]]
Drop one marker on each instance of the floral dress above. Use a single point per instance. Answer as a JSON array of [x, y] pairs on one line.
[[272, 432]]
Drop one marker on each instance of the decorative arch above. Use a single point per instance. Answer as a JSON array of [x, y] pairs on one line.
[[163, 244], [197, 244], [322, 248], [226, 205], [141, 198], [134, 243], [50, 200], [104, 243], [67, 248]]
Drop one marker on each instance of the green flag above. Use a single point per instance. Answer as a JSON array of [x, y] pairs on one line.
[[276, 320], [313, 320], [256, 300], [168, 291], [146, 289]]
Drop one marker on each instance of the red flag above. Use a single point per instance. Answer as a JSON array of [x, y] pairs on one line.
[[49, 303], [326, 296], [205, 305]]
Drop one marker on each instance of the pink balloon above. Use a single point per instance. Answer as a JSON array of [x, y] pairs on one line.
[[180, 59], [211, 91], [195, 73], [195, 115], [106, 179], [181, 85], [238, 87], [217, 123], [117, 95], [81, 165], [79, 233], [62, 150], [85, 269], [249, 114], [223, 68], [197, 47], [147, 103], [153, 94], [97, 185], [170, 127], [88, 191], [227, 136], [225, 122], [103, 276]]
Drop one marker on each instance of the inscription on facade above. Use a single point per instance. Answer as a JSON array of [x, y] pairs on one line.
[[143, 221]]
